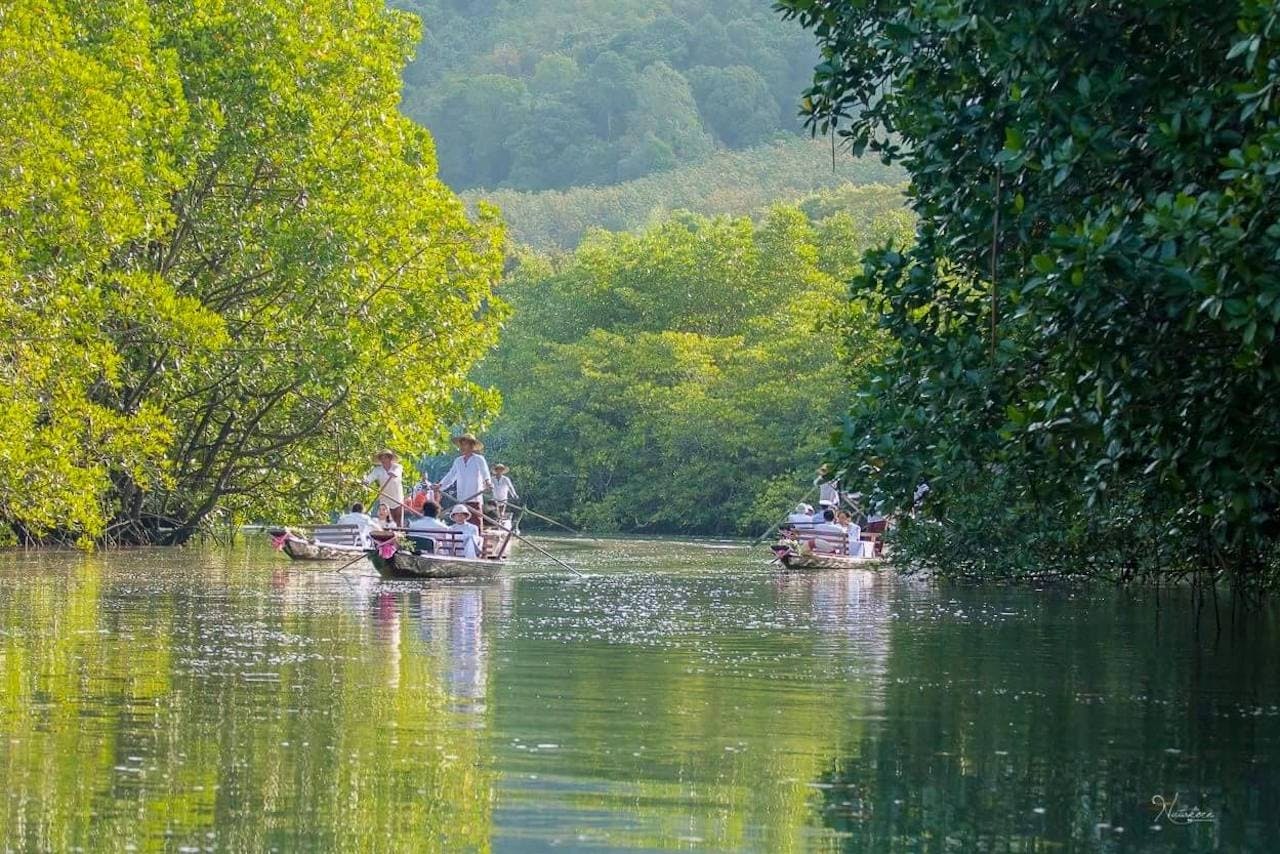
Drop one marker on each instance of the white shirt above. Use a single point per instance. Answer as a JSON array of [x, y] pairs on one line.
[[427, 523], [364, 522], [392, 483], [504, 488], [827, 528], [800, 520], [855, 540], [829, 493], [471, 543], [469, 476]]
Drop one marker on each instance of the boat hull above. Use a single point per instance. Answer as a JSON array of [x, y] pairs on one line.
[[815, 561], [406, 565], [307, 550]]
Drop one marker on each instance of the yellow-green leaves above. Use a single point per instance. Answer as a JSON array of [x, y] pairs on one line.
[[226, 264]]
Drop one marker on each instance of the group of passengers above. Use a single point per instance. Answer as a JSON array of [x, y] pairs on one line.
[[469, 477], [831, 528]]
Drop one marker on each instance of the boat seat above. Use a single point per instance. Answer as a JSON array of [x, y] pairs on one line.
[[337, 535]]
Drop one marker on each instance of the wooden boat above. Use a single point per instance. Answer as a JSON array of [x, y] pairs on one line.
[[328, 542], [822, 550], [404, 557], [815, 560]]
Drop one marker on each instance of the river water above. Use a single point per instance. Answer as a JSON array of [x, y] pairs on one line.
[[677, 697]]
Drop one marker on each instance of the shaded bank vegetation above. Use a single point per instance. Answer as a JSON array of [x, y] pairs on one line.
[[226, 271], [1083, 358], [684, 378]]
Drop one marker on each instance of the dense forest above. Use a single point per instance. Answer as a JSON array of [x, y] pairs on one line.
[[537, 94], [685, 378]]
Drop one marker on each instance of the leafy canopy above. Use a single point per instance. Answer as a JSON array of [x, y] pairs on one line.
[[1093, 295], [228, 266]]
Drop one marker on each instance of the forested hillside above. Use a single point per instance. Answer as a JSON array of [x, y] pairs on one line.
[[537, 94]]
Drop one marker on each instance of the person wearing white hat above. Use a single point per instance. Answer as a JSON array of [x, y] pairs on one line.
[[801, 517], [389, 475], [469, 476], [471, 542]]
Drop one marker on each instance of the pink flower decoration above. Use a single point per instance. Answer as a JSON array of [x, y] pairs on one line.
[[387, 550], [278, 540]]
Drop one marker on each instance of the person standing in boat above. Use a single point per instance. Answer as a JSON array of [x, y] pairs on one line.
[[471, 543], [389, 475], [503, 490], [828, 489], [469, 476]]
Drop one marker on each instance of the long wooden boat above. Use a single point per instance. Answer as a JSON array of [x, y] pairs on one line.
[[397, 557], [404, 564], [301, 548], [792, 558]]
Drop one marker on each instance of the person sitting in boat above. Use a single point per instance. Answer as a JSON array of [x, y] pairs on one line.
[[470, 535], [801, 518], [469, 476], [829, 538], [420, 494], [845, 520], [365, 523], [503, 490], [420, 529], [389, 475]]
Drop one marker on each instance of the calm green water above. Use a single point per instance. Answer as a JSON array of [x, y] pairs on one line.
[[678, 697]]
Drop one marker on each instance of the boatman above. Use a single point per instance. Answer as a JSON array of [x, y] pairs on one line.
[[503, 490], [389, 476], [828, 489], [469, 477]]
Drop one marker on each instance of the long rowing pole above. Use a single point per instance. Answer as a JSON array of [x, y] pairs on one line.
[[512, 532], [549, 519]]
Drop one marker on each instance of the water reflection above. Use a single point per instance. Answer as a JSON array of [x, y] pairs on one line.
[[674, 698]]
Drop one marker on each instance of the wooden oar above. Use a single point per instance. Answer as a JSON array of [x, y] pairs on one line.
[[528, 542], [549, 519]]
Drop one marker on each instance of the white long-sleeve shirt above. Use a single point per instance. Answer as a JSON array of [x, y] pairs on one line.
[[469, 476], [471, 543], [391, 482], [829, 493], [503, 489]]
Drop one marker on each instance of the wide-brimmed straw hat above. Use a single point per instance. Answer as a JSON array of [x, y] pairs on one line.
[[500, 468], [460, 509], [469, 437], [386, 452]]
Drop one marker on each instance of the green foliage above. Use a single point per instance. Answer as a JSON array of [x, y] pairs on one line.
[[1094, 293], [680, 379], [516, 89], [227, 271], [734, 183]]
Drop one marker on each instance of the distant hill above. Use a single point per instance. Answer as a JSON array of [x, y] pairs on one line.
[[549, 94], [736, 183]]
